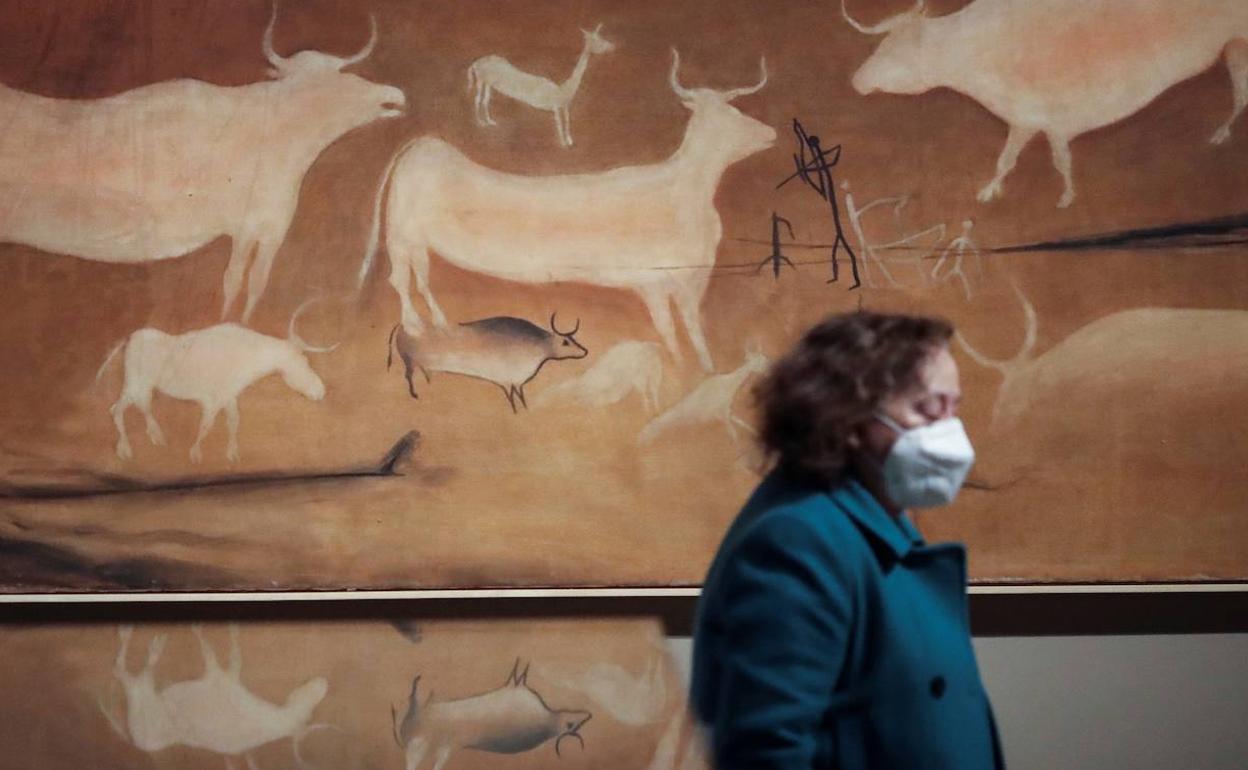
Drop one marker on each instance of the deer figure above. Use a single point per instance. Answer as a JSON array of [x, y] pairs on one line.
[[494, 72]]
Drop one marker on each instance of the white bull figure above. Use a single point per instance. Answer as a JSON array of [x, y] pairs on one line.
[[161, 170], [649, 229]]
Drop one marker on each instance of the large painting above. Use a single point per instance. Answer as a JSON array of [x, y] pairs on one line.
[[352, 694], [384, 294]]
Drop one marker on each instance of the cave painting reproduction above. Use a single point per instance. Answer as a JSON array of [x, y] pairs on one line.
[[215, 214]]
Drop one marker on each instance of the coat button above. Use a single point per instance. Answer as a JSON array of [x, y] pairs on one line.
[[937, 686]]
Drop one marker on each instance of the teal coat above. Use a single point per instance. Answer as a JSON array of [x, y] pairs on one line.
[[829, 635]]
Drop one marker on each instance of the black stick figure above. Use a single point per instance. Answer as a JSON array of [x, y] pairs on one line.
[[814, 167], [777, 259]]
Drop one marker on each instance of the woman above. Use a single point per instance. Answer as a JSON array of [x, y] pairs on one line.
[[829, 635]]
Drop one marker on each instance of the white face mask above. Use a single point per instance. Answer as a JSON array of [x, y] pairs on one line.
[[927, 465]]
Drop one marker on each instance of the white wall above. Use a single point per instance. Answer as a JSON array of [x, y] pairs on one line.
[[1163, 702]]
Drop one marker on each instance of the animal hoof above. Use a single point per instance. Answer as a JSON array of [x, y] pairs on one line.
[[1067, 198], [988, 193], [124, 452], [197, 455], [232, 455], [1221, 136]]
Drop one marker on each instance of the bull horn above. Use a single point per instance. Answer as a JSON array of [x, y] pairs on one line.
[[368, 47], [575, 328], [298, 341], [884, 26], [735, 92], [267, 45], [681, 91]]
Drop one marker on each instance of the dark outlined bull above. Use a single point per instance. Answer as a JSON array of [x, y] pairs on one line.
[[506, 351]]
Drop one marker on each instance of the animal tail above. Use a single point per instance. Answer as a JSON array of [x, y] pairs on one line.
[[293, 335], [1024, 353], [374, 232], [390, 347], [109, 359], [297, 740]]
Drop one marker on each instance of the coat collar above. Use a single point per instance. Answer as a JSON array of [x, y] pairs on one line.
[[899, 535]]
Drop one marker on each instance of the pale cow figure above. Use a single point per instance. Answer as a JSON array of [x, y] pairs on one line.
[[215, 712], [510, 719], [631, 699], [649, 229], [211, 367], [1060, 68], [161, 170], [491, 73], [628, 367], [710, 401]]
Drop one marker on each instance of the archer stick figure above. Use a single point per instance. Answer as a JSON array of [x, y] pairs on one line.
[[814, 167], [777, 259]]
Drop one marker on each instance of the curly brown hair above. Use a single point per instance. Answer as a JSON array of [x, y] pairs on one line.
[[814, 397]]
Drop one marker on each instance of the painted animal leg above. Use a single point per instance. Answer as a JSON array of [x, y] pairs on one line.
[[440, 758], [1014, 144], [119, 664], [1060, 147], [206, 421], [118, 411], [689, 302], [229, 763], [401, 282], [1237, 63], [658, 302], [415, 752], [251, 762], [231, 422], [143, 400], [154, 650], [258, 275], [240, 255], [234, 664], [205, 650], [408, 370], [420, 269], [511, 397]]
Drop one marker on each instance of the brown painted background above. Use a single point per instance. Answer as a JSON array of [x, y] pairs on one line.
[[1122, 466]]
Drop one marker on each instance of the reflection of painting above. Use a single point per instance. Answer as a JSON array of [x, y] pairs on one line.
[[354, 694], [617, 285]]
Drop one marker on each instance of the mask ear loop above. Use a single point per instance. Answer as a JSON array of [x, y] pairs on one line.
[[889, 422]]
